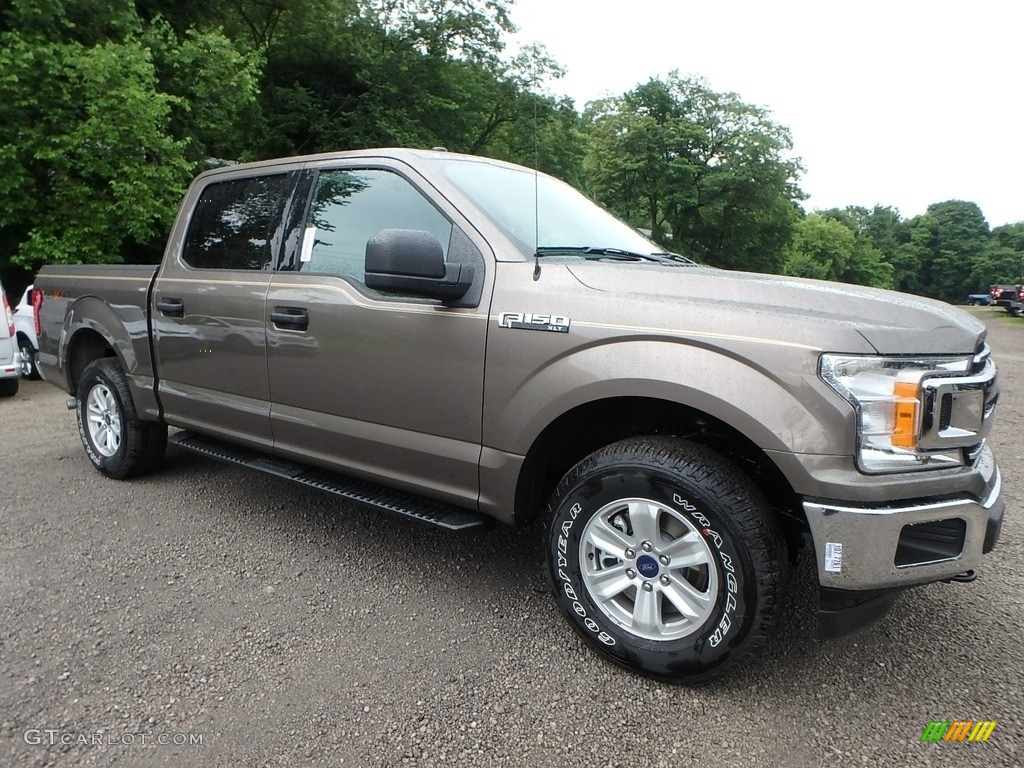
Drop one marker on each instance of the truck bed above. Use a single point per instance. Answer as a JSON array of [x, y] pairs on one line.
[[109, 301]]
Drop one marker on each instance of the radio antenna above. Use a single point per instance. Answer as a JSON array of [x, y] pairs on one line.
[[536, 188]]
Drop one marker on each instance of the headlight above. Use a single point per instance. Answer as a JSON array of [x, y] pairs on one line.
[[887, 395]]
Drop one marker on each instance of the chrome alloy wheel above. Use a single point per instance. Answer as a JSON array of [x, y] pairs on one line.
[[104, 420], [648, 569], [25, 366]]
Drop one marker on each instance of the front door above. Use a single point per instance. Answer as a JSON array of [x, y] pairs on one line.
[[382, 386]]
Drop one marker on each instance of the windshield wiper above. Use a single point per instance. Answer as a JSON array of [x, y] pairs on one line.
[[589, 252], [677, 257]]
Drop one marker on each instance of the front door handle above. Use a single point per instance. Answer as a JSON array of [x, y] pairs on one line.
[[295, 318], [171, 307]]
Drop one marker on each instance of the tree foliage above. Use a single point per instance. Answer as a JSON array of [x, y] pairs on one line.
[[827, 248], [945, 243], [111, 106], [105, 119], [706, 173]]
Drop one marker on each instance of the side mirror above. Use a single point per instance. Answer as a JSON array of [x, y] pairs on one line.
[[411, 262]]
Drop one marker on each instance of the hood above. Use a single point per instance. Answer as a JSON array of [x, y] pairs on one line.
[[795, 308]]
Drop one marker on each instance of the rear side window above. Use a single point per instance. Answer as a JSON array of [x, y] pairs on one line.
[[238, 224]]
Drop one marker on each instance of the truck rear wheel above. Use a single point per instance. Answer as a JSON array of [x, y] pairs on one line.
[[665, 558], [117, 442]]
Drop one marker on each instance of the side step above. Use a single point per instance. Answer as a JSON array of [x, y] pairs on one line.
[[428, 511]]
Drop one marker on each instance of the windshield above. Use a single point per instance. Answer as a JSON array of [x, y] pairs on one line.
[[541, 213]]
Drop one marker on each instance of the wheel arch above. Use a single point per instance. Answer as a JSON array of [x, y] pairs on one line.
[[84, 346], [596, 424]]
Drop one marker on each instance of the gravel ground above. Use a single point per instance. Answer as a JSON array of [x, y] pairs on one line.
[[281, 628]]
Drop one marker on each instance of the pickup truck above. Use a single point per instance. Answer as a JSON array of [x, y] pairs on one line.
[[461, 340], [1015, 304], [1002, 295]]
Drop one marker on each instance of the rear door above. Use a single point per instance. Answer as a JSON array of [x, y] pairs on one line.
[[209, 305], [379, 385]]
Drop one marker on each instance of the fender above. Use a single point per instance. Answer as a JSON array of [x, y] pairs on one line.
[[126, 331], [785, 408]]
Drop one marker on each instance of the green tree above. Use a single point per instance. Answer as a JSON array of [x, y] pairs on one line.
[[828, 248], [1001, 260], [105, 119], [947, 241], [415, 73], [708, 174]]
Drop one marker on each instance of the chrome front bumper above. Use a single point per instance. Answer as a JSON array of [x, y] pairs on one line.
[[856, 547]]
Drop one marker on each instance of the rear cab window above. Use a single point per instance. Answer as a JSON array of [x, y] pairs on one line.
[[238, 223]]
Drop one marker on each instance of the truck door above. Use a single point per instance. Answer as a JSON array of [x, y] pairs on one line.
[[385, 387], [208, 307]]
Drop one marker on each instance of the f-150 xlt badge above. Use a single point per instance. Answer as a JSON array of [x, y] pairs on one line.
[[531, 322]]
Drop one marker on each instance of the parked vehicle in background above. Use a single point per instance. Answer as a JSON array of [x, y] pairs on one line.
[[976, 299], [1015, 306], [9, 356], [1002, 295], [26, 335], [454, 339]]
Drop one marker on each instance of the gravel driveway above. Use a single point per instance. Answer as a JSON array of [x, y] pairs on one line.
[[207, 616]]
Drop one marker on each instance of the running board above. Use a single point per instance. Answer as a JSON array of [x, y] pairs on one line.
[[408, 505]]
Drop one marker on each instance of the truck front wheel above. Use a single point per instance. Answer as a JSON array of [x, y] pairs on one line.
[[665, 558], [118, 443]]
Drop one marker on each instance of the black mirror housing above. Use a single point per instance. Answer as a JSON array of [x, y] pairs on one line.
[[412, 262]]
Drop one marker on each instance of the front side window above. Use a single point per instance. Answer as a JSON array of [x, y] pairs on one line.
[[237, 224], [350, 207]]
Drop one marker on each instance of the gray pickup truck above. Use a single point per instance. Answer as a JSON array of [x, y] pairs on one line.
[[460, 340]]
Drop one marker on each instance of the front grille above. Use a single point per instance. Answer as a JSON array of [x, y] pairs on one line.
[[945, 412], [957, 407], [980, 358]]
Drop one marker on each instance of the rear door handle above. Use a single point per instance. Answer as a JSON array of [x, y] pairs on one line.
[[171, 307], [295, 318]]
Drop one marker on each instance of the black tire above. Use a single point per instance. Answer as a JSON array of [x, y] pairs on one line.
[[705, 512], [9, 387], [28, 352], [104, 396]]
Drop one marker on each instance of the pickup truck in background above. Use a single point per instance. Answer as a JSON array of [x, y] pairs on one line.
[[1015, 304], [1002, 295], [460, 340]]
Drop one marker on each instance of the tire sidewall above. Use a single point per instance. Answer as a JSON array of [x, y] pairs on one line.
[[113, 466], [723, 633]]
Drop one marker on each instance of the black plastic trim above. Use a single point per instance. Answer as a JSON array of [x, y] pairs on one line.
[[397, 502], [842, 612], [994, 527]]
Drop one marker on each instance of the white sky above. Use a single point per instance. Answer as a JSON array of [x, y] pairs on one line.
[[902, 102]]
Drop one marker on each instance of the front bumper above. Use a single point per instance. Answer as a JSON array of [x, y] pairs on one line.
[[900, 544]]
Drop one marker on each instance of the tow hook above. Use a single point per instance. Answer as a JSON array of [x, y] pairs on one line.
[[963, 578]]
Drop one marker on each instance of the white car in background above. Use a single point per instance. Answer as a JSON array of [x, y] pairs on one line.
[[10, 358], [25, 335]]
